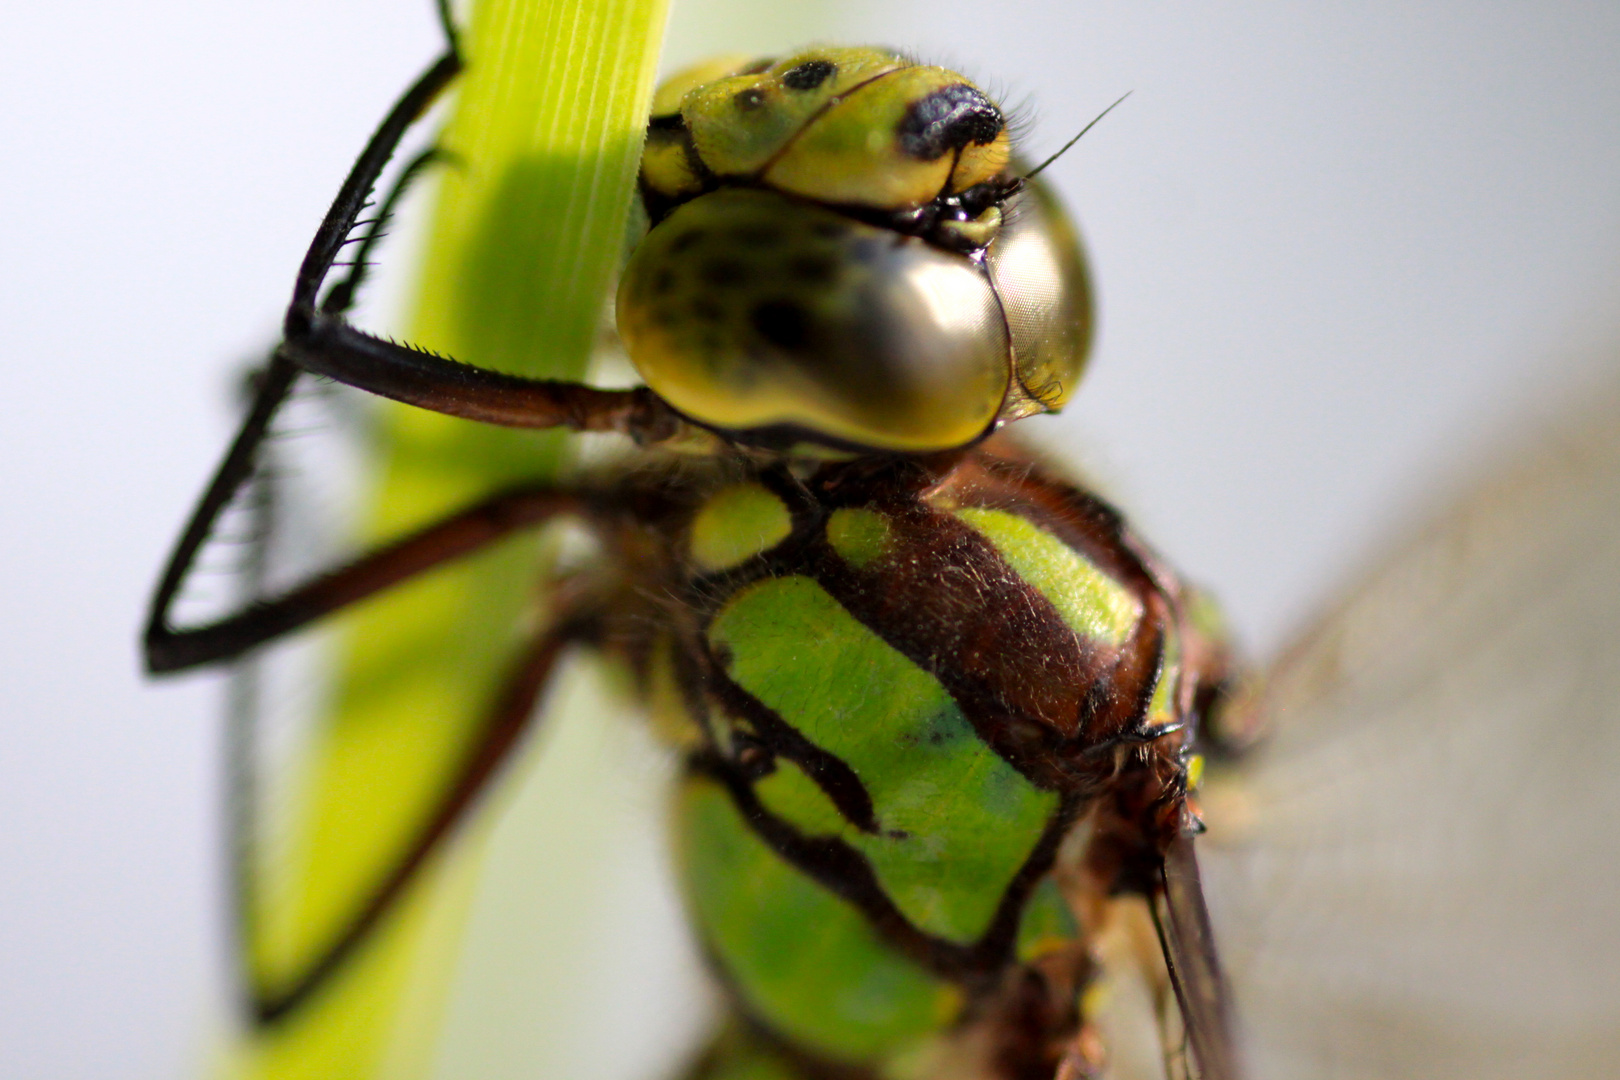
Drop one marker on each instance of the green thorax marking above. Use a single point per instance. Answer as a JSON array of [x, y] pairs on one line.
[[1162, 707], [1091, 603], [956, 821], [737, 523], [858, 535], [808, 963]]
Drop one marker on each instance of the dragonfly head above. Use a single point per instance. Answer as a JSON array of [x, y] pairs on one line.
[[842, 257]]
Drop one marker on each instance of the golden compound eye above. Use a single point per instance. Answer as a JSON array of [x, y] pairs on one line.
[[1045, 291], [749, 310]]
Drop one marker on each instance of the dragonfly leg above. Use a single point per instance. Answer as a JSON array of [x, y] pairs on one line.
[[346, 208], [329, 346], [168, 649], [171, 649], [508, 719], [340, 297], [316, 338], [271, 386]]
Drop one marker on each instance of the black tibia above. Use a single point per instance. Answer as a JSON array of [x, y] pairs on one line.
[[340, 297], [163, 647], [167, 649], [509, 716], [317, 339], [340, 219]]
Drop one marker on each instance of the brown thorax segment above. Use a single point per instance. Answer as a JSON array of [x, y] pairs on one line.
[[1068, 712]]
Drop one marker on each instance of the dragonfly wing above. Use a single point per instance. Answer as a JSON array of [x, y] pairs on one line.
[[348, 738], [1188, 941], [1419, 876]]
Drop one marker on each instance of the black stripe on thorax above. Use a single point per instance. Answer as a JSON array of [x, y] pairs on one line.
[[845, 871]]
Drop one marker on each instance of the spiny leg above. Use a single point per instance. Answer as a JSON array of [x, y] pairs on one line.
[[163, 645], [340, 297], [509, 718], [345, 210], [317, 339]]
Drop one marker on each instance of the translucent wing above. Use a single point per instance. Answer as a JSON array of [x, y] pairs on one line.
[[347, 740], [1195, 973], [1420, 875]]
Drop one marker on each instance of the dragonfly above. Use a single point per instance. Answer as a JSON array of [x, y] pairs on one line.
[[740, 498], [905, 664]]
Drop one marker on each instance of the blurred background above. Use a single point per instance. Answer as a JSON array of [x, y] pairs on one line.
[[1339, 249]]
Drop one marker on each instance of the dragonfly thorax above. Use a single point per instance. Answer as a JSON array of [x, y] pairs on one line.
[[898, 696]]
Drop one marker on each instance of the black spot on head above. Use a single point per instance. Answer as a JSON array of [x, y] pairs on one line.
[[813, 269], [707, 310], [748, 100], [948, 119], [724, 273], [663, 282], [755, 234], [808, 75], [685, 241], [782, 323]]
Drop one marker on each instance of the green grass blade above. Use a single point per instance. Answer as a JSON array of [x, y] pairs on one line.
[[523, 243]]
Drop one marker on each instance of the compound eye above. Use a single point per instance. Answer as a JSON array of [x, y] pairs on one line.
[[1040, 275], [745, 309]]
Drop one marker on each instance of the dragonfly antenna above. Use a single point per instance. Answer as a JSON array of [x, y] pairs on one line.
[[1065, 148]]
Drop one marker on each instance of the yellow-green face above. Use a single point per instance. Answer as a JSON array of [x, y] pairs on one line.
[[859, 127], [831, 261]]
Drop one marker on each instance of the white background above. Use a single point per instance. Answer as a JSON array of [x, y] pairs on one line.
[[1338, 247]]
